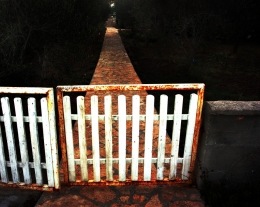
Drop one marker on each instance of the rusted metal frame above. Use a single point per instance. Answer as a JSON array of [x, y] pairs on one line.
[[128, 182], [30, 187], [125, 87], [196, 131], [62, 138], [130, 87], [50, 100], [25, 90]]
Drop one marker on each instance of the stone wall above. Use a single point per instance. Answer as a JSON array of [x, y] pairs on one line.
[[229, 144]]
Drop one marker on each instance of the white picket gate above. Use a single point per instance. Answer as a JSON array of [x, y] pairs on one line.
[[21, 161], [115, 140], [81, 144]]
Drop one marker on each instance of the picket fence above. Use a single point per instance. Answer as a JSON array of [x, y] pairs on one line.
[[28, 136], [15, 142], [87, 167]]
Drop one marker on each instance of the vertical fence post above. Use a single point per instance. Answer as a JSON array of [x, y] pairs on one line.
[[95, 138], [10, 139], [162, 136], [189, 136], [108, 138], [3, 168], [47, 141], [122, 136], [53, 133], [35, 140], [176, 135], [148, 137], [135, 136], [69, 138], [82, 138], [22, 140]]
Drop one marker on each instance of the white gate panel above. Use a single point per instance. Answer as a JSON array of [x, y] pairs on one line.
[[153, 157], [21, 132]]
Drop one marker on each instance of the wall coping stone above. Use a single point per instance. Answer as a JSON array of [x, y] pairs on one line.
[[233, 107]]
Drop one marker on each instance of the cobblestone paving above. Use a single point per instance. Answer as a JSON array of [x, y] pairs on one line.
[[114, 67], [124, 196]]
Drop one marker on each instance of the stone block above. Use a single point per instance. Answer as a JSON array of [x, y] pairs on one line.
[[229, 144]]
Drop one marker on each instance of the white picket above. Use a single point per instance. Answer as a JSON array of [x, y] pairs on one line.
[[148, 137], [35, 140], [108, 138], [95, 138], [47, 141], [82, 138], [162, 136], [53, 133], [135, 136], [22, 140], [176, 135], [189, 136], [10, 138], [122, 136], [3, 168], [69, 138]]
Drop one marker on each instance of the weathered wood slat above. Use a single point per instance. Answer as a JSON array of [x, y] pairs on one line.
[[35, 140], [10, 138], [95, 138], [135, 136], [122, 137], [82, 138], [47, 141], [22, 140], [108, 137], [3, 164], [31, 164], [189, 136], [148, 137], [176, 135], [162, 136], [69, 138], [53, 133]]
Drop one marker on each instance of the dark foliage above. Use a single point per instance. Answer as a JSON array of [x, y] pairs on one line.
[[187, 23], [29, 28]]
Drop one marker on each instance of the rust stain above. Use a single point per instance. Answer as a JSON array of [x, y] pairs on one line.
[[129, 87], [29, 187], [132, 87], [24, 90], [62, 137], [125, 183], [196, 131]]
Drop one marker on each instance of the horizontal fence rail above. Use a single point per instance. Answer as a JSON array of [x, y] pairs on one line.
[[28, 157], [99, 135]]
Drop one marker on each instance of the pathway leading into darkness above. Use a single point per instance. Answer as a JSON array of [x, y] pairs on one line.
[[114, 67]]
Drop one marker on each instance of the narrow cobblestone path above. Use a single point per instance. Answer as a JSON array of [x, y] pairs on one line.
[[114, 67]]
